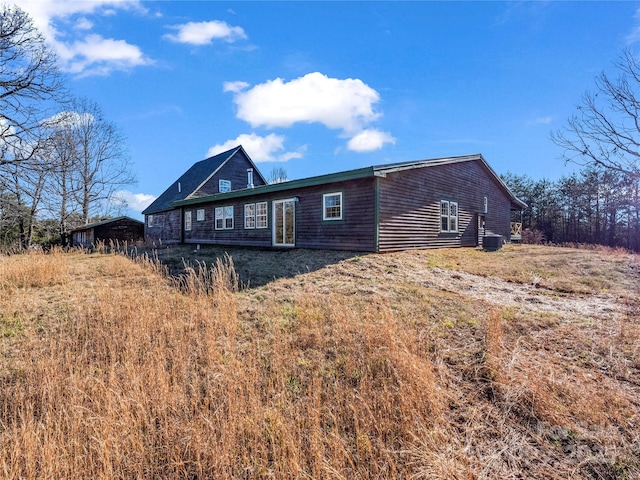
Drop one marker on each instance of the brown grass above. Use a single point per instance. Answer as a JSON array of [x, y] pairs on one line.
[[354, 370]]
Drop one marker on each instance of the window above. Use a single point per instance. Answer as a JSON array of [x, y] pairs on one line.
[[486, 205], [448, 216], [224, 218], [255, 215], [150, 220], [332, 206], [187, 220], [224, 186], [250, 215], [261, 215], [200, 215]]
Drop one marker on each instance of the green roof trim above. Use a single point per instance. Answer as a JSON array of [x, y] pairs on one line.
[[282, 186], [374, 171]]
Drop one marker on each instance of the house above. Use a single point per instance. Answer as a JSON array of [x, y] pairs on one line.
[[121, 229], [443, 202], [222, 173]]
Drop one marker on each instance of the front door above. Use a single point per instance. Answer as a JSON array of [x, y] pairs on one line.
[[284, 223]]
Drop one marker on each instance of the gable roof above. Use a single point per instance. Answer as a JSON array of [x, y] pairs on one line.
[[105, 222], [374, 171], [191, 180]]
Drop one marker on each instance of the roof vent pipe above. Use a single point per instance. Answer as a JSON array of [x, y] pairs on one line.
[[249, 177]]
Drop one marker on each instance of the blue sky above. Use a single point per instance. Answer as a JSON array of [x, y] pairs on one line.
[[323, 87]]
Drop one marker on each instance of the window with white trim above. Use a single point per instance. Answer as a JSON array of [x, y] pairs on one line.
[[224, 218], [187, 220], [250, 215], [332, 206], [255, 215], [261, 215], [448, 216], [150, 220], [224, 186], [200, 215]]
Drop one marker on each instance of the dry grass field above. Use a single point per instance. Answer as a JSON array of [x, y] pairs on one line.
[[439, 364]]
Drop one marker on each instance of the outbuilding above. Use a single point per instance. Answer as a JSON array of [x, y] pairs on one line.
[[120, 229]]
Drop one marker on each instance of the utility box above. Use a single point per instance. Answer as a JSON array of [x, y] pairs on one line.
[[491, 243]]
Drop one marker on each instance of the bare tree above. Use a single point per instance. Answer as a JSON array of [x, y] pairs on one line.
[[605, 131], [102, 160], [278, 175], [60, 151], [29, 84], [89, 162]]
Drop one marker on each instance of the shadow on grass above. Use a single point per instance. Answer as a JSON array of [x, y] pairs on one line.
[[255, 267]]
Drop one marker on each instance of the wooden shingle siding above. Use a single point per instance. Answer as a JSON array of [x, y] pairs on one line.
[[166, 227], [409, 206], [119, 229], [235, 171], [204, 231], [122, 230], [354, 232]]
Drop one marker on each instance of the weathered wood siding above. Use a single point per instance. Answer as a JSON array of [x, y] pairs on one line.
[[234, 170], [204, 231], [166, 227], [121, 230], [409, 206], [356, 231]]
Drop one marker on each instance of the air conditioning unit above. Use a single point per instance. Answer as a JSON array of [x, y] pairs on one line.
[[491, 243]]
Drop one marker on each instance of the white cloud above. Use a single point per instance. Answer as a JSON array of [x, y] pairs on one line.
[[369, 140], [84, 24], [68, 119], [260, 149], [634, 35], [135, 201], [234, 87], [203, 33], [85, 53], [543, 120], [99, 56], [338, 104]]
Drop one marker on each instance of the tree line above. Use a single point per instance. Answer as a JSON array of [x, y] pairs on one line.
[[61, 160], [595, 206], [601, 203]]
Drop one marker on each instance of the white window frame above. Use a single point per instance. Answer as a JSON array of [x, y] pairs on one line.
[[149, 220], [200, 215], [255, 215], [224, 186], [326, 207], [447, 216], [223, 219], [250, 215], [262, 212], [187, 221], [486, 205]]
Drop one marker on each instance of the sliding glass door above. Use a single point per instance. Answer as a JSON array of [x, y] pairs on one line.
[[284, 221]]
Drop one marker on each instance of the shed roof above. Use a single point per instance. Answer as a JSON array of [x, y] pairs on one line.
[[105, 222], [373, 171]]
